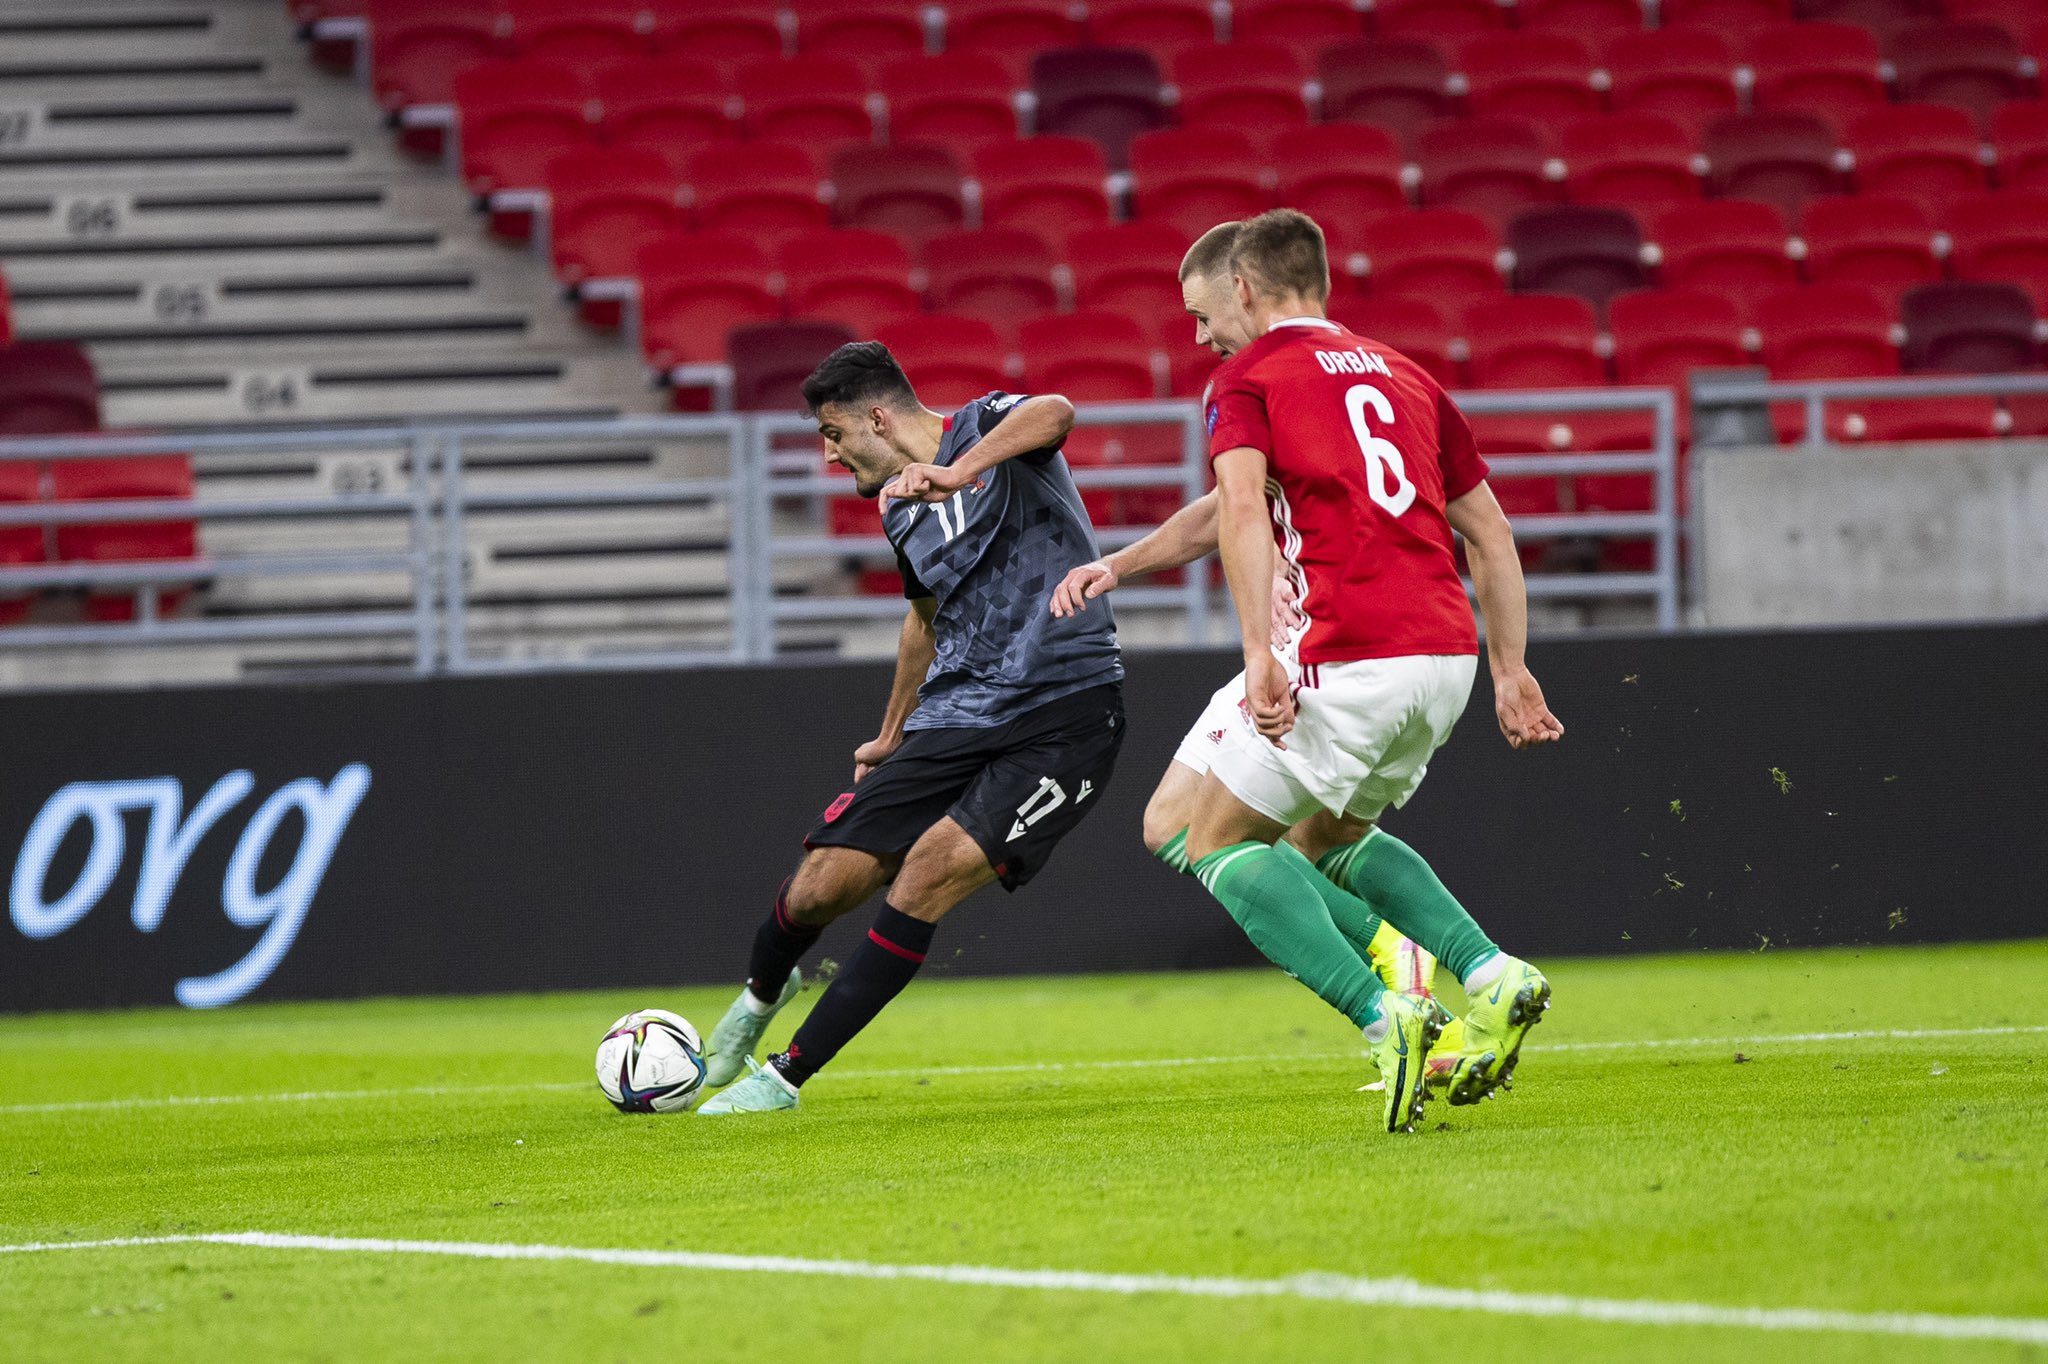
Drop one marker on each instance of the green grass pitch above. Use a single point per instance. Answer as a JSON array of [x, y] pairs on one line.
[[1862, 1174]]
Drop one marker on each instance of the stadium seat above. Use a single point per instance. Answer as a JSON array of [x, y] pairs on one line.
[[1052, 185], [1782, 159], [1301, 22], [1196, 178], [959, 101], [1343, 174], [728, 33], [950, 360], [1731, 16], [1437, 20], [1641, 162], [1402, 86], [1538, 76], [696, 287], [1662, 335], [1968, 327], [770, 189], [580, 33], [1166, 27], [1586, 250], [516, 118], [910, 189], [771, 360], [1094, 356], [2001, 237], [846, 275], [1414, 326], [1240, 85], [1975, 66], [164, 477], [601, 202], [859, 30], [1444, 254], [670, 105], [816, 99], [1109, 94], [1826, 331], [1731, 245], [1009, 31], [1495, 167], [2019, 135], [1686, 74], [20, 481], [1878, 241], [47, 388], [1533, 341], [416, 52], [1833, 71], [1880, 16], [1003, 274], [1579, 16], [1128, 267], [1928, 152]]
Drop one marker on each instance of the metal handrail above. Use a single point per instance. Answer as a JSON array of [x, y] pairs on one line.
[[1813, 395]]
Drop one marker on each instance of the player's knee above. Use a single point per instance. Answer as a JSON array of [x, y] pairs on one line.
[[1160, 825], [831, 882]]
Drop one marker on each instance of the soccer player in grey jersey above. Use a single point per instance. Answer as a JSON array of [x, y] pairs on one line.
[[1003, 725]]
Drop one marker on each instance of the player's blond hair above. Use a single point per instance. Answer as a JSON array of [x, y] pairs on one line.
[[1210, 255], [1280, 253]]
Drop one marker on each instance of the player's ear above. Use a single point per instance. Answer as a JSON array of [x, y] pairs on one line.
[[879, 419], [1243, 289]]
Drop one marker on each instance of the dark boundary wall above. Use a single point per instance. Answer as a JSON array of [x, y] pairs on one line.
[[629, 829]]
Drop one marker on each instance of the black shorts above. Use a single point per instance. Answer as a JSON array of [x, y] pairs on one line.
[[1016, 788]]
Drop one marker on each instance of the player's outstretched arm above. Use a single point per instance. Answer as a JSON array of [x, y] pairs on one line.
[[1038, 423], [916, 647], [1503, 600], [1245, 540], [1187, 535]]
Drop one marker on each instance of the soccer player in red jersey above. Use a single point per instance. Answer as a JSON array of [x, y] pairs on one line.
[[1352, 463]]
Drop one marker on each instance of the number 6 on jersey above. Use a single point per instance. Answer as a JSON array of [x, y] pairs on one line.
[[1386, 473]]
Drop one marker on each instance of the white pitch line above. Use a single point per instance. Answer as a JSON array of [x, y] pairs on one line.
[[1019, 1068], [1312, 1287]]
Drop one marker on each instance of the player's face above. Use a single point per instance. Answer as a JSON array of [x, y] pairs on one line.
[[856, 440], [1220, 322]]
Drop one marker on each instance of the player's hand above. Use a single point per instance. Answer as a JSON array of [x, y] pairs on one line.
[[925, 483], [1524, 719], [1270, 695], [1081, 586], [869, 755], [1287, 617]]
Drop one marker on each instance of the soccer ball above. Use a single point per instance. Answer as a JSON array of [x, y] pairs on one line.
[[651, 1061]]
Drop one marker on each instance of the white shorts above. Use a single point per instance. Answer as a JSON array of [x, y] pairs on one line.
[[1226, 711], [1362, 738]]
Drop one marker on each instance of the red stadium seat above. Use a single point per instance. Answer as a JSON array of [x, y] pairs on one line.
[[416, 53], [1444, 254], [1641, 162], [1241, 85], [846, 275], [20, 481], [771, 360], [1439, 20], [816, 99], [1686, 74], [516, 118], [1157, 26], [669, 105], [1727, 15], [1053, 185], [1096, 356], [1928, 152], [769, 189], [1344, 175], [1196, 178], [47, 388], [1783, 159], [1968, 327], [729, 32], [1301, 22], [1877, 241], [1833, 71], [1730, 245], [2001, 237], [1662, 335], [1402, 86], [910, 189], [1826, 331], [1587, 250], [602, 202], [160, 477], [580, 33], [1534, 341], [1009, 31], [1540, 76], [1109, 94], [1416, 327], [1494, 167], [859, 30], [960, 101], [950, 360], [1579, 16], [1003, 274], [1128, 267], [2013, 15], [2019, 133], [696, 287], [1975, 66]]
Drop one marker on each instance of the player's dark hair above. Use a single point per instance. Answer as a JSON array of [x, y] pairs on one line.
[[1210, 255], [1282, 252], [857, 375]]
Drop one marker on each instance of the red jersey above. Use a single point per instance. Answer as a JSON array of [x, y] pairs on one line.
[[1363, 452]]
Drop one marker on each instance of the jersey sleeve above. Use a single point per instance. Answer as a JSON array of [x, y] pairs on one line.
[[913, 586], [1457, 453], [1237, 416], [994, 408]]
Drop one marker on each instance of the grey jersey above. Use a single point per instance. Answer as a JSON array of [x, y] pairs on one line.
[[990, 556]]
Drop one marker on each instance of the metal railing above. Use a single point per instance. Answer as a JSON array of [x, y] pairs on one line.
[[1814, 395]]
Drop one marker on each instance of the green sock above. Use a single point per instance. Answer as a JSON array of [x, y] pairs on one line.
[[1174, 853], [1353, 917], [1384, 870], [1281, 911]]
